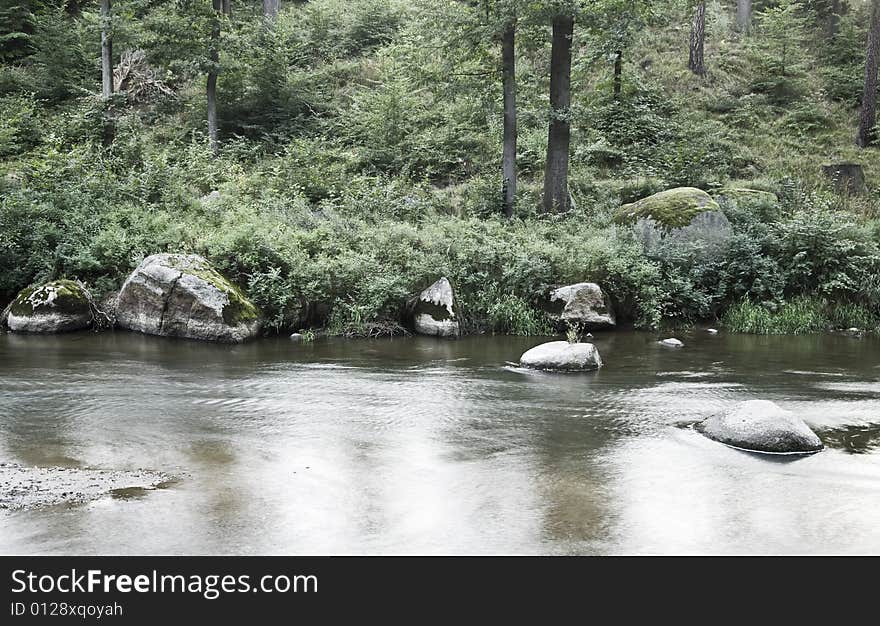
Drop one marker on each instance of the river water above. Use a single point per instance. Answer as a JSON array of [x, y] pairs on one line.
[[424, 446]]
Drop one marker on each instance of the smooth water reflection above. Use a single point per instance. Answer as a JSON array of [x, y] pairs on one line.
[[425, 446]]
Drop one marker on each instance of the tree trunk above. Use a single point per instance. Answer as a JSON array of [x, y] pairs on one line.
[[508, 162], [106, 51], [227, 7], [833, 23], [270, 8], [743, 15], [868, 115], [214, 58], [618, 73], [696, 61], [556, 172]]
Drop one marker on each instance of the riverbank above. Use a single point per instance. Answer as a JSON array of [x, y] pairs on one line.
[[351, 267]]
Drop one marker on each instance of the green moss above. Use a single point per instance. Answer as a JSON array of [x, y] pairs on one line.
[[737, 194], [61, 296], [673, 208], [239, 309]]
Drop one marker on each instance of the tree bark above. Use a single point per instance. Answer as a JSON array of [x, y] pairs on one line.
[[618, 73], [696, 61], [556, 197], [868, 116], [270, 8], [744, 15], [508, 161], [214, 58], [106, 51]]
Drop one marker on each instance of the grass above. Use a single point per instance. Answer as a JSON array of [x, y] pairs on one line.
[[802, 315]]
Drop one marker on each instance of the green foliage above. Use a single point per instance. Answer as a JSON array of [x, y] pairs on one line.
[[802, 315]]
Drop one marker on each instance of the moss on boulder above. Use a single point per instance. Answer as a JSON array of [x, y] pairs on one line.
[[673, 208], [56, 306], [739, 195], [182, 295]]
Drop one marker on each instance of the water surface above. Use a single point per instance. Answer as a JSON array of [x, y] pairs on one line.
[[425, 446]]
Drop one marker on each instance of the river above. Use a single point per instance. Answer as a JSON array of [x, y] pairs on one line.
[[418, 445]]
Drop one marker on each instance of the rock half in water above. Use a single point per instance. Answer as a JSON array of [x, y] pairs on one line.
[[761, 426], [57, 306], [562, 355], [182, 295], [434, 313], [583, 304]]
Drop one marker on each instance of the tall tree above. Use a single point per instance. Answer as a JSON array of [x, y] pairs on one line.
[[744, 15], [556, 198], [270, 8], [696, 59], [213, 71], [508, 70], [868, 115], [106, 51]]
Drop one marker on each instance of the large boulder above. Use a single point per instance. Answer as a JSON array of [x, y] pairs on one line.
[[673, 208], [583, 304], [434, 313], [761, 426], [562, 355], [182, 295], [57, 306]]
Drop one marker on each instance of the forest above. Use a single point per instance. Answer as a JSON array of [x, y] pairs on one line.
[[335, 157]]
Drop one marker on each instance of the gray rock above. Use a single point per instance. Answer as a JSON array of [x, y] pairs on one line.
[[434, 313], [182, 295], [583, 304], [562, 355], [761, 426], [709, 230], [57, 306], [672, 342], [296, 337], [712, 331]]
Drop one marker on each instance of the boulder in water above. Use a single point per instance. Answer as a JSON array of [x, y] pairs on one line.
[[54, 307], [562, 355], [433, 313], [761, 426], [182, 295]]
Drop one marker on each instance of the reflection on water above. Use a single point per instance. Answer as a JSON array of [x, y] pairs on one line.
[[426, 446]]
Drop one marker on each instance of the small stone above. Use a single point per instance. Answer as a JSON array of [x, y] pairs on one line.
[[712, 331], [296, 337], [672, 342]]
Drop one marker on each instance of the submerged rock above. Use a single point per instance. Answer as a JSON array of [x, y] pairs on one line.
[[434, 313], [673, 208], [761, 426], [583, 304], [672, 342], [30, 487], [562, 355], [182, 295], [57, 306]]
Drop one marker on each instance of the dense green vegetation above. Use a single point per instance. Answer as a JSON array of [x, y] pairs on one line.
[[360, 157]]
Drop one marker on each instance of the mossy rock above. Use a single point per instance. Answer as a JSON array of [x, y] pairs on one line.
[[183, 295], [56, 306], [738, 195], [673, 208]]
